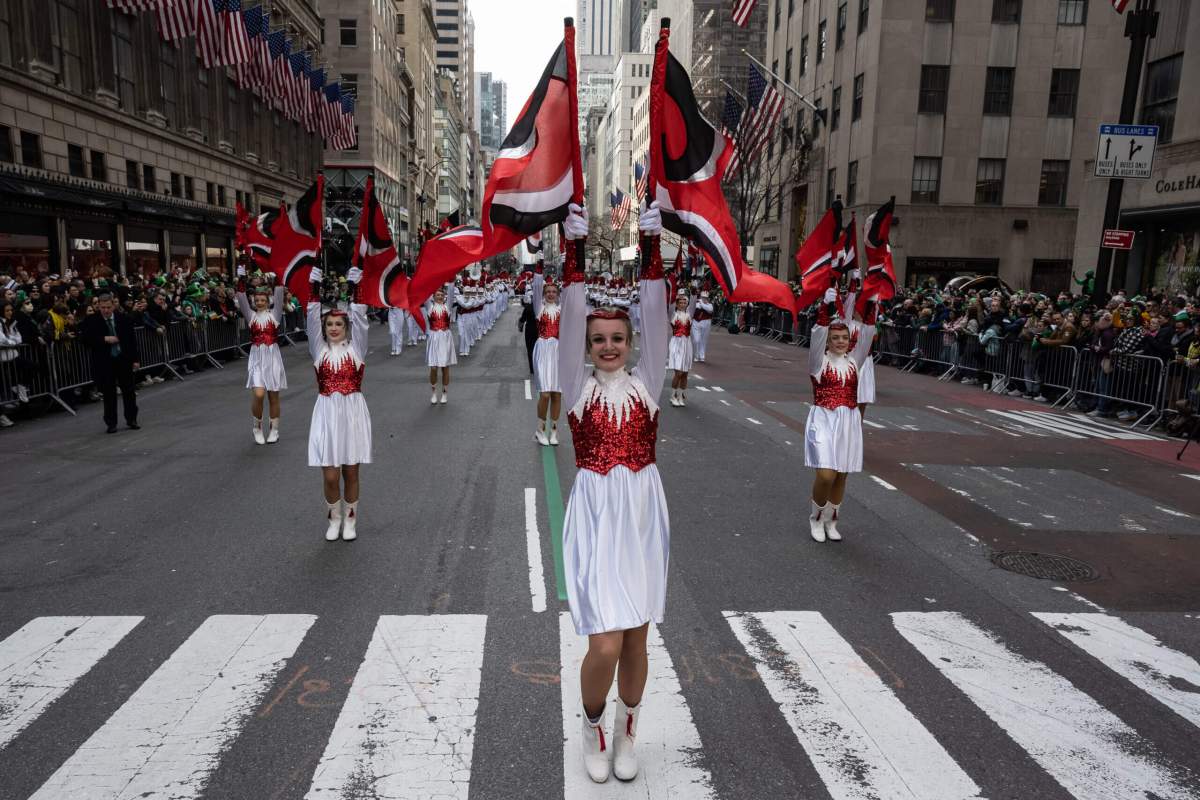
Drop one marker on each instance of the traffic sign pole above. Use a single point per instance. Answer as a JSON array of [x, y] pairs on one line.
[[1141, 24]]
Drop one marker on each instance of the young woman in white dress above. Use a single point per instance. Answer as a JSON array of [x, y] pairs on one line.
[[545, 360], [339, 439], [616, 532], [439, 346], [679, 357], [833, 433], [265, 375]]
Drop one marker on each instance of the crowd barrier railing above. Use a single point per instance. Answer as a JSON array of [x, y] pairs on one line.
[[1121, 381], [26, 374], [1181, 390]]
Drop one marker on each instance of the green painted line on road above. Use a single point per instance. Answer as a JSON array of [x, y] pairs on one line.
[[554, 509]]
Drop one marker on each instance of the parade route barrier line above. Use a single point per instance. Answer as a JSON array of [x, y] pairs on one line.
[[554, 511]]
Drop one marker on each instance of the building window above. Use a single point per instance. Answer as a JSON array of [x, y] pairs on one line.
[[998, 93], [817, 114], [939, 10], [123, 60], [927, 177], [830, 183], [149, 182], [6, 145], [176, 187], [31, 149], [350, 84], [787, 66], [132, 175], [852, 183], [1072, 12], [348, 32], [775, 22], [989, 182], [842, 15], [1162, 93], [1006, 10], [1064, 89], [835, 109], [935, 85], [822, 41], [67, 30], [189, 188], [856, 104], [803, 55], [400, 24], [791, 8], [99, 167], [221, 197], [210, 193], [75, 161], [1053, 188], [864, 8]]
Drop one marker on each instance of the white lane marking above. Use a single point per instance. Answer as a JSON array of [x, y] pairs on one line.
[[697, 376], [1173, 512], [726, 402], [168, 737], [862, 741], [883, 483], [667, 740], [407, 729], [1061, 430], [1189, 475], [939, 410], [873, 424], [1085, 425], [42, 660], [1137, 656], [717, 389], [977, 421], [533, 548], [1115, 427], [702, 388], [752, 419], [1082, 745], [528, 390]]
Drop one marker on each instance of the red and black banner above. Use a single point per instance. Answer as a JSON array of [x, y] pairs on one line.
[[384, 284], [880, 280], [297, 242], [255, 235], [815, 258]]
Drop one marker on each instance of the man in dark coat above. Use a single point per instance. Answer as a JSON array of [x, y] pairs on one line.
[[115, 358], [528, 324]]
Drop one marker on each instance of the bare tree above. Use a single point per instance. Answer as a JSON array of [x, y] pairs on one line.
[[778, 168], [603, 242]]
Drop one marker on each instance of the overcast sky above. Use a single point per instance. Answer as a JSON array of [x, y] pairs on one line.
[[514, 39]]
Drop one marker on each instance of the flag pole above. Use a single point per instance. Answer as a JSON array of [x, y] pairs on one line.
[[576, 157], [658, 78], [785, 84]]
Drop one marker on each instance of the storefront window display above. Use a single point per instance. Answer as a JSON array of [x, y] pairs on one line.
[[91, 248], [25, 244], [216, 255], [143, 252], [185, 249], [1177, 258]]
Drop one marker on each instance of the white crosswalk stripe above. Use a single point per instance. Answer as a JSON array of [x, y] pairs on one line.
[[862, 741], [167, 738], [407, 728], [1169, 676], [666, 737], [1072, 426], [43, 659], [1082, 745]]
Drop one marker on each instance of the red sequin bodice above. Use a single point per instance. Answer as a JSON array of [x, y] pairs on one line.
[[263, 334], [548, 326], [681, 328], [601, 444], [439, 320], [831, 392], [345, 378]]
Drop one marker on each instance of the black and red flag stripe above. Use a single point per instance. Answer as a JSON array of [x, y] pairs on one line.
[[384, 283], [297, 243], [880, 281]]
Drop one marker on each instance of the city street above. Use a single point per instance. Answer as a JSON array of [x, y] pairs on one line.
[[173, 625]]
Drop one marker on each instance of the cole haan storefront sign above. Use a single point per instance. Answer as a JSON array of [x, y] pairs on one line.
[[1165, 186]]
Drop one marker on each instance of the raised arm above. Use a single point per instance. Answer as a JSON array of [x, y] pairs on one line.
[[656, 334], [243, 304], [539, 284], [866, 333], [316, 338], [572, 319], [820, 331], [277, 304], [360, 324]]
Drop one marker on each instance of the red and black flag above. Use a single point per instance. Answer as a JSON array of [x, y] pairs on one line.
[[297, 244], [254, 235], [384, 284], [688, 158], [535, 176], [845, 253], [452, 220], [880, 280], [815, 258]]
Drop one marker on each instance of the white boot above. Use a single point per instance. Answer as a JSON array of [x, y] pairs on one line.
[[625, 764], [273, 436], [595, 749], [258, 431], [675, 397], [335, 520], [682, 398], [539, 435], [349, 533], [443, 399], [554, 433], [816, 522], [433, 396], [831, 520]]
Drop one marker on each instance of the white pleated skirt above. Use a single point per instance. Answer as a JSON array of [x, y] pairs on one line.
[[866, 381], [545, 364], [679, 355], [340, 434], [616, 543], [439, 349], [833, 439], [265, 368]]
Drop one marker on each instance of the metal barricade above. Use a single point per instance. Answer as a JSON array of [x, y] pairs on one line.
[[153, 345], [220, 336], [1181, 391], [70, 368], [931, 347], [978, 362], [184, 344], [1122, 380], [25, 374]]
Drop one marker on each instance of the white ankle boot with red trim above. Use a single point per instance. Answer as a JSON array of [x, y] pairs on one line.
[[625, 763], [335, 520], [831, 521], [350, 523], [816, 522], [595, 749]]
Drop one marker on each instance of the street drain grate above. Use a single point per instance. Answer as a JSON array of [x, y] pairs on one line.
[[1046, 566]]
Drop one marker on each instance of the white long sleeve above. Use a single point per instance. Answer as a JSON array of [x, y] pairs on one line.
[[316, 338], [360, 328], [656, 335], [572, 343]]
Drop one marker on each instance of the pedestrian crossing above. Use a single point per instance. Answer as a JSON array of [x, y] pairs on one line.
[[408, 726]]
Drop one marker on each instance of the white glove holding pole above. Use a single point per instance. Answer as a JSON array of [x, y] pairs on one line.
[[354, 275], [575, 226], [650, 221], [855, 274], [241, 271], [315, 275], [830, 295]]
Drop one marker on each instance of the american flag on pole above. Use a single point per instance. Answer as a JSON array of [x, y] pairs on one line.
[[758, 124], [280, 75], [1119, 5], [640, 178], [621, 204], [316, 98], [731, 119], [210, 37], [250, 73], [347, 137], [177, 20], [236, 42], [331, 112], [297, 85], [741, 11]]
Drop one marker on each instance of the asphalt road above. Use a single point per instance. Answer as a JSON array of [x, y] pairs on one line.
[[173, 625]]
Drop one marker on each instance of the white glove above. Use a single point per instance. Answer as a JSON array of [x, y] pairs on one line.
[[241, 271], [575, 226], [354, 275], [650, 220], [830, 295], [315, 275], [855, 274]]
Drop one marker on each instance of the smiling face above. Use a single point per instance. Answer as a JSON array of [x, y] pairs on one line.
[[550, 293], [261, 302], [439, 296], [681, 304], [609, 343], [335, 329], [838, 343]]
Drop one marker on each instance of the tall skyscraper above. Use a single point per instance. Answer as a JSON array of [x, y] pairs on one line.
[[601, 28], [490, 110], [450, 17]]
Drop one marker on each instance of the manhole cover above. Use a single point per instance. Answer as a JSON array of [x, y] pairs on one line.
[[1047, 566]]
